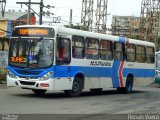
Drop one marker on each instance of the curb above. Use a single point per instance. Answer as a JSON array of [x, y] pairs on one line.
[[3, 82]]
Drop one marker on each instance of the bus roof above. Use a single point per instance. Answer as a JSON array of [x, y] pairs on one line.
[[65, 31]]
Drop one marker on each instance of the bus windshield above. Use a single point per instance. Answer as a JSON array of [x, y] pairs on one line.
[[31, 52]]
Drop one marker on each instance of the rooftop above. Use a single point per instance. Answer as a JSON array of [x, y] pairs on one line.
[[12, 15]]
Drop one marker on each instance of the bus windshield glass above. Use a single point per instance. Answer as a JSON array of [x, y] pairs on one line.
[[31, 52]]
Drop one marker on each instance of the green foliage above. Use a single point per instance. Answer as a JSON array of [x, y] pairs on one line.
[[3, 74], [73, 26]]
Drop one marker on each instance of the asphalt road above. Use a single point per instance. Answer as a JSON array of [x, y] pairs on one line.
[[143, 100]]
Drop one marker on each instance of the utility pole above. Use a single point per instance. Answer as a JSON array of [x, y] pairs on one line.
[[3, 6], [41, 12], [70, 19], [41, 8], [35, 3], [28, 17]]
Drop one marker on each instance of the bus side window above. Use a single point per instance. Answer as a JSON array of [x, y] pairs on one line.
[[92, 48], [78, 47], [140, 54], [63, 55], [130, 52], [119, 51], [106, 50], [149, 54]]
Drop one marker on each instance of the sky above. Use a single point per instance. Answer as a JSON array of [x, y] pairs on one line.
[[62, 8]]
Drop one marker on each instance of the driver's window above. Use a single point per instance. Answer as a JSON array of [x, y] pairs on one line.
[[63, 51]]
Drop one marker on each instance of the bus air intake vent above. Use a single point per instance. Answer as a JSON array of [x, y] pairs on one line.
[[27, 83]]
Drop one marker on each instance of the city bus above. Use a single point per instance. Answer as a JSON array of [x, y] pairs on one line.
[[45, 58], [157, 78]]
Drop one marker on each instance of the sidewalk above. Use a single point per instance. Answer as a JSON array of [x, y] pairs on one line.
[[3, 86]]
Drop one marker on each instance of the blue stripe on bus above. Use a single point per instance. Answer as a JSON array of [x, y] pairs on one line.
[[122, 39], [70, 71], [102, 71], [115, 69]]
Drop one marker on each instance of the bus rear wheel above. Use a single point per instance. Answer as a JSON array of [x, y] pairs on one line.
[[39, 92], [129, 84], [128, 87], [76, 88]]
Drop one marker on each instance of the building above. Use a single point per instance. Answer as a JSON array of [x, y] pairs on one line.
[[125, 25], [12, 18]]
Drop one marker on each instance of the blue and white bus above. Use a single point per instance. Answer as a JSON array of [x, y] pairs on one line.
[[45, 58], [157, 77]]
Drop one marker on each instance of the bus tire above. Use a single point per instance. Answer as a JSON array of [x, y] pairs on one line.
[[76, 88], [129, 84], [39, 92]]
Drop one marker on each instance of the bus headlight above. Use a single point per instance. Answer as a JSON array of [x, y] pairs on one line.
[[11, 74], [47, 76]]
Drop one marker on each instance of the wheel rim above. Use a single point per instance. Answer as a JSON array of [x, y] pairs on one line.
[[75, 87], [129, 85]]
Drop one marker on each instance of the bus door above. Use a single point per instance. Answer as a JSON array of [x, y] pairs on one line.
[[63, 59], [117, 68]]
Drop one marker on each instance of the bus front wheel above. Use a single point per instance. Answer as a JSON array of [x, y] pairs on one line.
[[39, 92], [76, 88]]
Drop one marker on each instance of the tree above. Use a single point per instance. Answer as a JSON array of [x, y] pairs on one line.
[[73, 26]]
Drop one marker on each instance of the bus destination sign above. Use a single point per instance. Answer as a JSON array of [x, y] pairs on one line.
[[24, 31], [33, 32]]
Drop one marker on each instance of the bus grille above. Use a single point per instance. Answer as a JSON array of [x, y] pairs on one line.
[[25, 72], [30, 77], [27, 83]]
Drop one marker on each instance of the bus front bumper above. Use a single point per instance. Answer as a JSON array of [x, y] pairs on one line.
[[30, 83]]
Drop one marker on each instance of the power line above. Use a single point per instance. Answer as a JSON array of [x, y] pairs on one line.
[[41, 8]]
